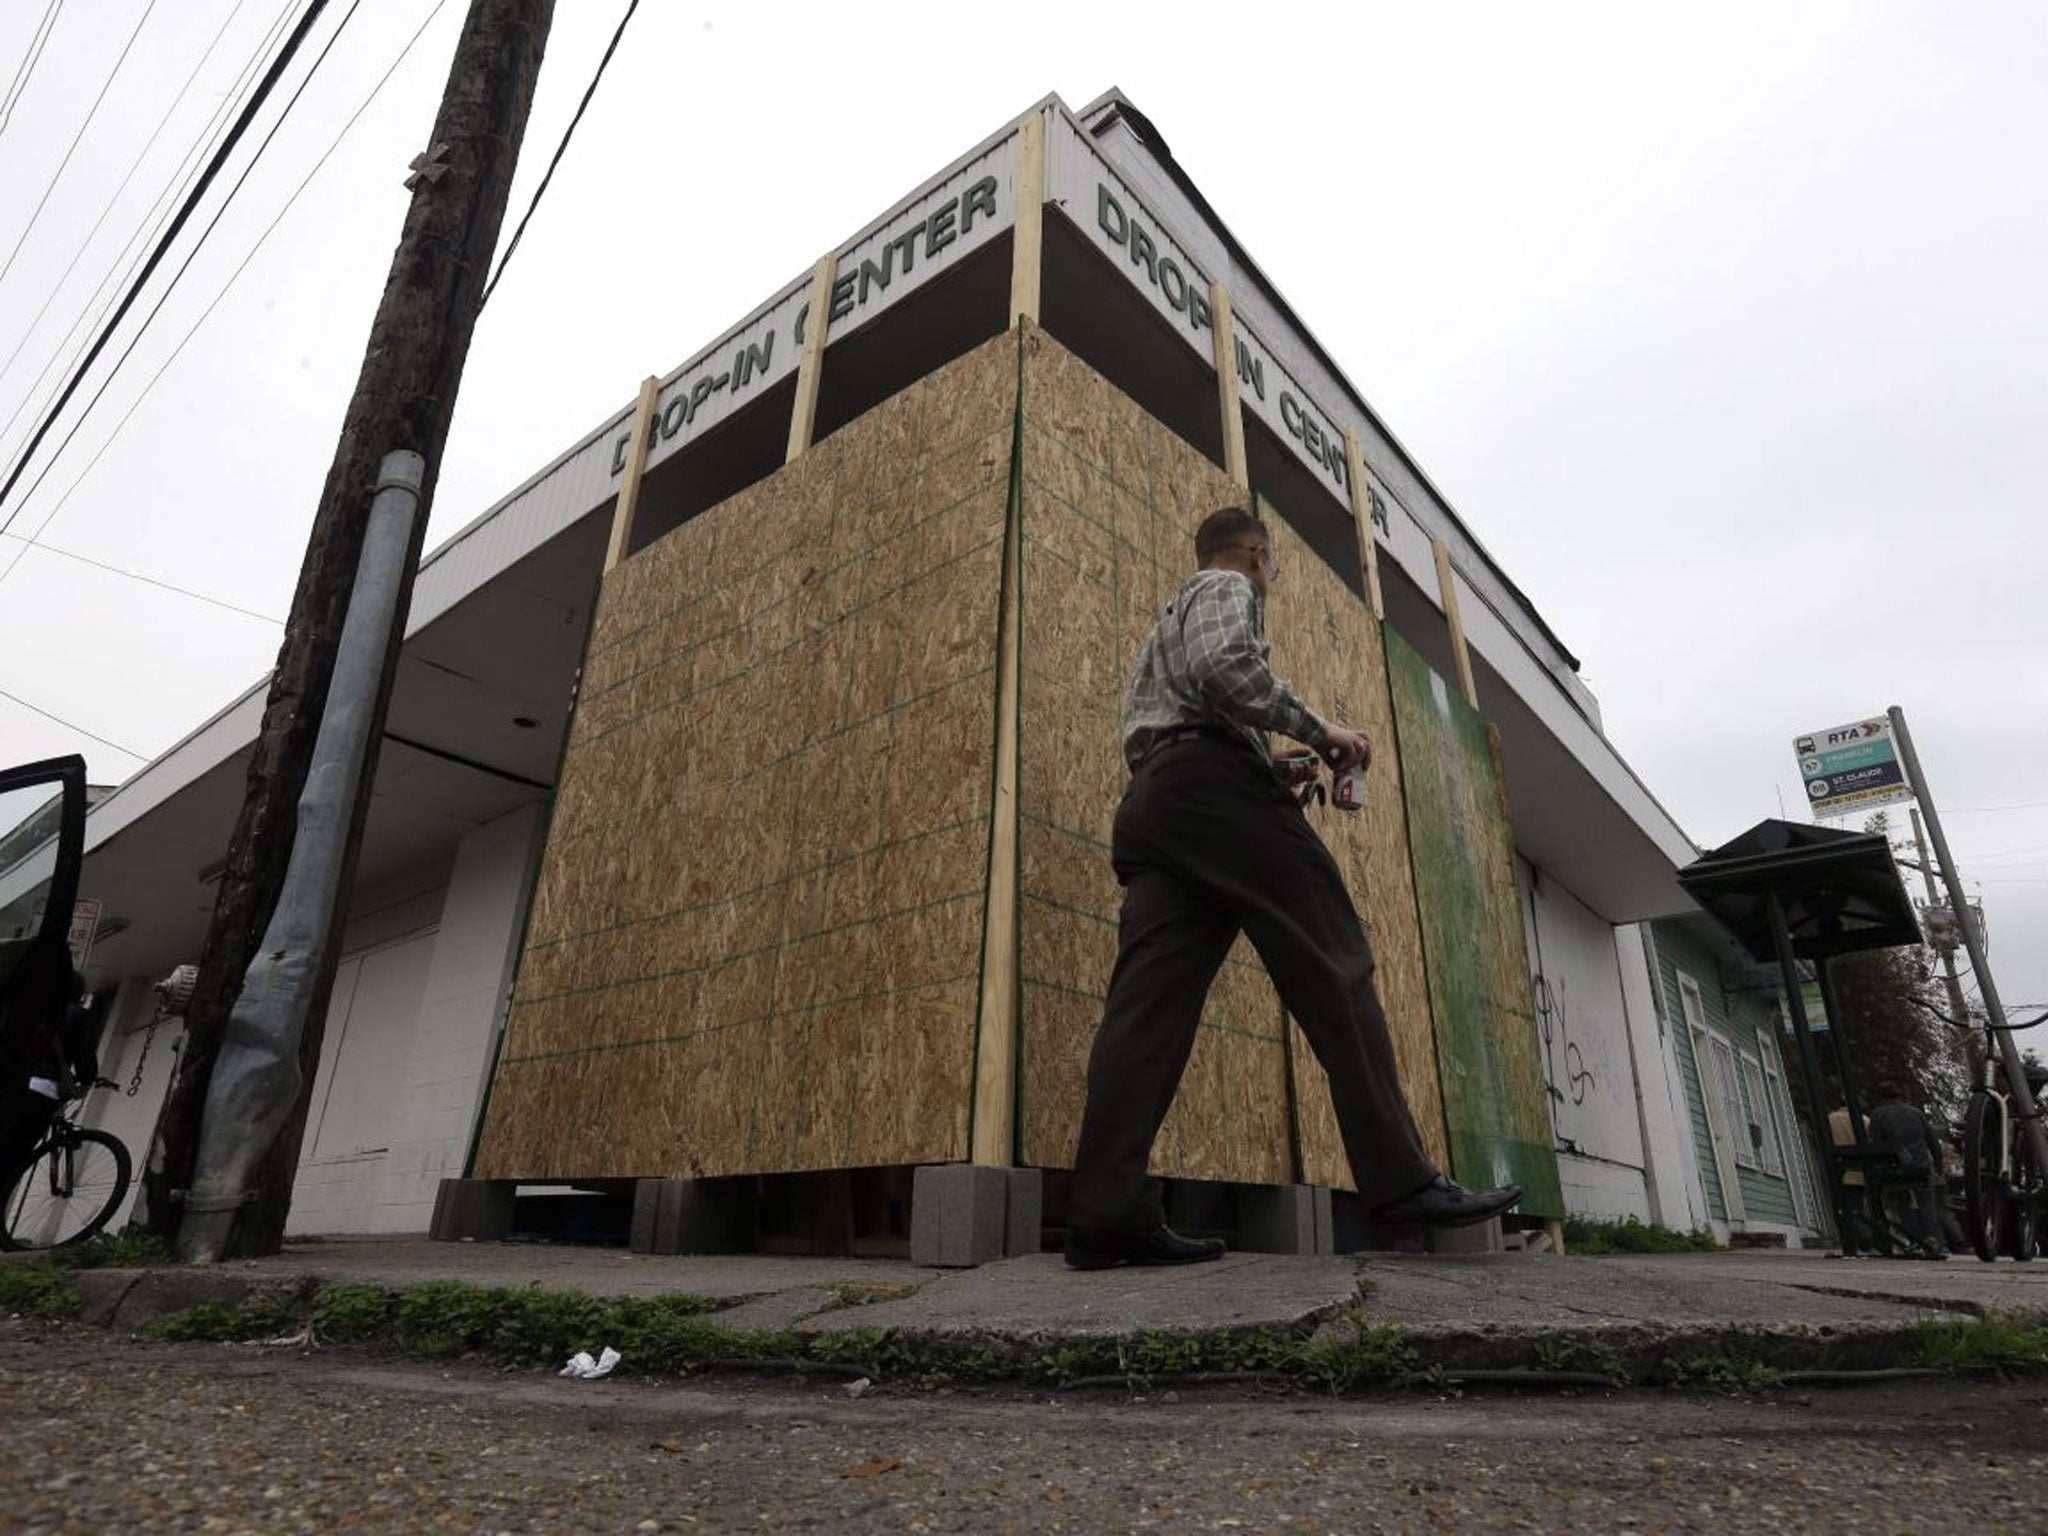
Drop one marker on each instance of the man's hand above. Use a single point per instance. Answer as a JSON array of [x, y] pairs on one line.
[[1344, 748]]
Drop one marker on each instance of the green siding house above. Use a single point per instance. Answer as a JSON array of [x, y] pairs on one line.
[[1752, 1159]]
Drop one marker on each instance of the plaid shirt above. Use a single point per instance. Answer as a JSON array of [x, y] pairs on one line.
[[1206, 662]]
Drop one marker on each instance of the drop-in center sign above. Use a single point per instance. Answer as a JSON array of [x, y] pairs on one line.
[[1850, 768]]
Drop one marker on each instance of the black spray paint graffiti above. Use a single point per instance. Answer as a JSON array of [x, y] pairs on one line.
[[1553, 1014]]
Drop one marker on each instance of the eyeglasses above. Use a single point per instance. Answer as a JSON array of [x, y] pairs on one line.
[[1266, 561]]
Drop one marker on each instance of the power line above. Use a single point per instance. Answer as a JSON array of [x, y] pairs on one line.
[[549, 175], [151, 224], [28, 228], [135, 404], [37, 709], [86, 244], [191, 256], [115, 570], [1985, 810], [263, 89], [18, 87]]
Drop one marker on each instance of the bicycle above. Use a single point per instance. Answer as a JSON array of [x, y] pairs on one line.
[[2002, 1187], [71, 1185]]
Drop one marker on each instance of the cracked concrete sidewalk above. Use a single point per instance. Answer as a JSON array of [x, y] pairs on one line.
[[1472, 1312]]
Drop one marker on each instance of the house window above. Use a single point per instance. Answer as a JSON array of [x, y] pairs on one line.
[[1734, 1114], [1756, 1103]]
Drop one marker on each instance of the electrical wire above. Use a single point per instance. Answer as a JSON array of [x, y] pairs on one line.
[[85, 245], [37, 709], [29, 228], [262, 94], [567, 133], [168, 586], [193, 330], [18, 87], [157, 218]]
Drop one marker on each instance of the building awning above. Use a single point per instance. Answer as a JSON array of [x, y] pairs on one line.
[[1840, 891]]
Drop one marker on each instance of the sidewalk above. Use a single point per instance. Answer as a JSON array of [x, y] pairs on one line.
[[1480, 1312]]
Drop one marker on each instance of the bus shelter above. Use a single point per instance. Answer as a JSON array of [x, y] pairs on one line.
[[1791, 893]]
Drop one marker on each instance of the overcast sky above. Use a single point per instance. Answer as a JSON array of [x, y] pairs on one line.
[[1724, 329]]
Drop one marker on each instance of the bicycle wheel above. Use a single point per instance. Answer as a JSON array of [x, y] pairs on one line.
[[1983, 1182], [2022, 1207], [72, 1186]]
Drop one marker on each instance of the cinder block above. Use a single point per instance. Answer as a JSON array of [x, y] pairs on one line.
[[958, 1214], [1286, 1218], [1025, 1212], [472, 1208], [1480, 1237], [683, 1216]]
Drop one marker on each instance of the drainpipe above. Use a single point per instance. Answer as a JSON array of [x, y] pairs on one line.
[[256, 1078]]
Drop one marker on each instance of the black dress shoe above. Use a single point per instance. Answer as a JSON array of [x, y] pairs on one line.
[[1087, 1249], [1442, 1203]]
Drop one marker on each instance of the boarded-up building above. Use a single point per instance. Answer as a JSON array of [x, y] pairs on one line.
[[752, 763]]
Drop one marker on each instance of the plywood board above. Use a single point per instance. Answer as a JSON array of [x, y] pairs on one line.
[[756, 937], [1110, 502], [1495, 1110], [1327, 645]]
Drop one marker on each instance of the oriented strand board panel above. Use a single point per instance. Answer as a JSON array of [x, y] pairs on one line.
[[755, 943], [1326, 643], [1493, 1086], [1110, 502]]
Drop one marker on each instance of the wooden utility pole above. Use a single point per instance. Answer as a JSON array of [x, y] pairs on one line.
[[404, 398]]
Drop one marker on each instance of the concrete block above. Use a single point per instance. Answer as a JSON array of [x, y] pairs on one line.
[[683, 1216], [472, 1208], [958, 1214], [1480, 1237], [1024, 1214], [1287, 1218]]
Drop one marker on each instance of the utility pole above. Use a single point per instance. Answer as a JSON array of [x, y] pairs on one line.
[[2008, 1053], [403, 401]]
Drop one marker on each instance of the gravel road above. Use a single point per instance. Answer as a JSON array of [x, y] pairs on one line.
[[113, 1435]]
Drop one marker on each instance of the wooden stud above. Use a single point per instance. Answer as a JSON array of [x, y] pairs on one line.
[[1554, 1230], [1226, 386], [1361, 514], [636, 466], [803, 417], [1027, 241], [995, 1066], [1447, 585]]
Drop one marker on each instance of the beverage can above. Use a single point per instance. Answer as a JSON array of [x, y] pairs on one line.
[[1347, 789]]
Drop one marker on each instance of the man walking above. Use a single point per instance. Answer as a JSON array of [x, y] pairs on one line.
[[1208, 843]]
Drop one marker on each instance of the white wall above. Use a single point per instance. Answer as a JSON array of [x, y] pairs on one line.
[[1676, 1197], [1582, 1030], [402, 1074]]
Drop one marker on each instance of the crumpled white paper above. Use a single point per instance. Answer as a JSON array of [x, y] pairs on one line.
[[582, 1368]]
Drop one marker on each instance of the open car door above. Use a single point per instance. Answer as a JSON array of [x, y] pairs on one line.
[[35, 967]]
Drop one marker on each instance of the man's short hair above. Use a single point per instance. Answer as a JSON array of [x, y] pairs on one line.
[[1224, 527]]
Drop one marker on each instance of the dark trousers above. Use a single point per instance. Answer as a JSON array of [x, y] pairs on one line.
[[1208, 844]]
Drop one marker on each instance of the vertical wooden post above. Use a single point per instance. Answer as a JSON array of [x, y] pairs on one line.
[[994, 1123], [803, 417], [1226, 386], [1361, 514], [1447, 585], [636, 466], [1027, 239]]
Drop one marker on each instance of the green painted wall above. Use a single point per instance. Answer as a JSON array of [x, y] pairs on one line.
[[1745, 1019]]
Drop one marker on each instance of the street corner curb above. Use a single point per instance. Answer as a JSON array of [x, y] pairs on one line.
[[1652, 1354], [101, 1292], [156, 1294]]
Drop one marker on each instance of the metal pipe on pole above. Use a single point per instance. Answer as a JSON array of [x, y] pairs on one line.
[[1973, 941], [257, 1077], [404, 399]]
